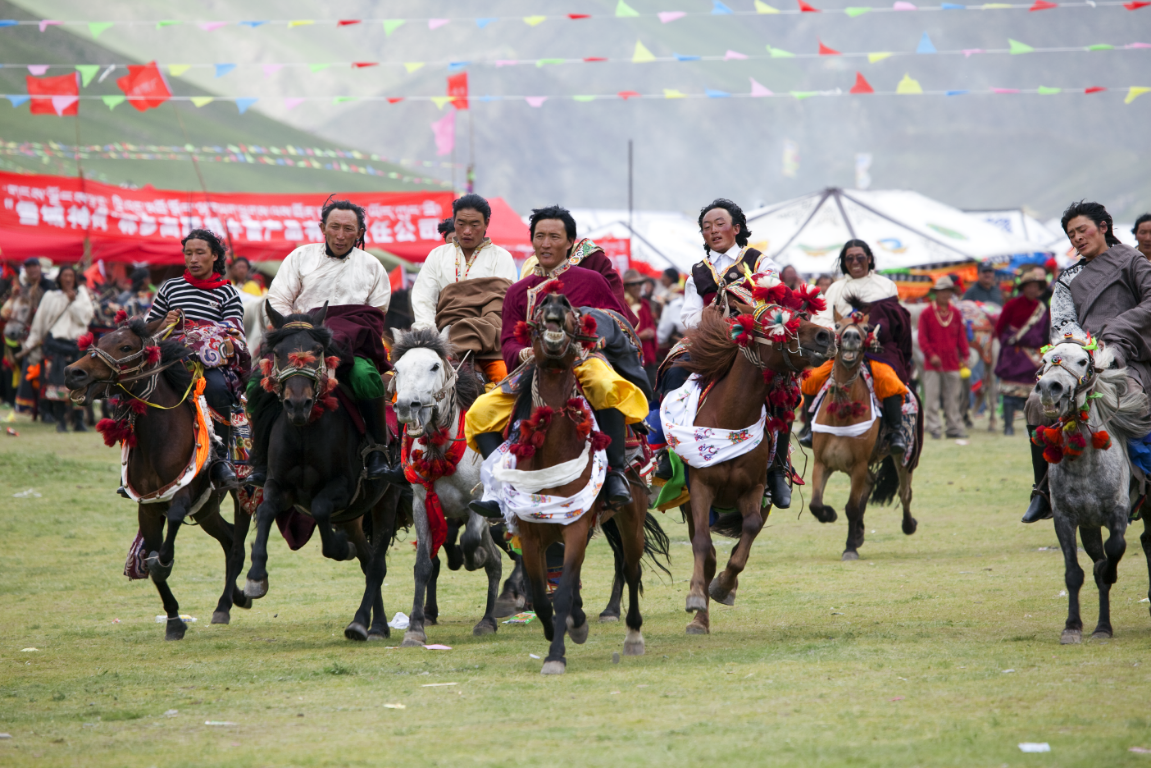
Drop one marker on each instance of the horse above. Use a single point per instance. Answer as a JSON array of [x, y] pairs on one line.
[[550, 448], [156, 423], [432, 396], [741, 364], [315, 464], [1094, 414], [850, 407]]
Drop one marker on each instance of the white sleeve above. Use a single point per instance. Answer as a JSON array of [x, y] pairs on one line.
[[766, 264], [666, 327], [505, 266], [380, 296], [826, 318], [426, 292], [286, 286], [40, 326], [692, 305], [81, 310]]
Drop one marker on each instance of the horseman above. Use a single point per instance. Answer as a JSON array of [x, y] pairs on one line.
[[616, 400], [890, 364], [355, 288], [462, 285], [205, 313], [1107, 294]]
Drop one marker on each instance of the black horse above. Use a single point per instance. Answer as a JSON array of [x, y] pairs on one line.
[[315, 463]]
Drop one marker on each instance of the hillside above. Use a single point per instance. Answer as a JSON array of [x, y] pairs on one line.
[[973, 151], [214, 125]]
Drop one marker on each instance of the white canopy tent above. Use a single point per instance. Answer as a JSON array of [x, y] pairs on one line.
[[905, 230], [1019, 223], [661, 238]]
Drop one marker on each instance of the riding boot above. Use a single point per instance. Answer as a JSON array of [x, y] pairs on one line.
[[78, 415], [616, 491], [893, 418], [778, 472], [222, 473], [488, 443], [663, 470], [1040, 507], [1008, 416], [60, 414], [808, 420], [376, 466]]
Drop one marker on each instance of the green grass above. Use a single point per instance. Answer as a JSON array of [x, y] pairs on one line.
[[939, 649]]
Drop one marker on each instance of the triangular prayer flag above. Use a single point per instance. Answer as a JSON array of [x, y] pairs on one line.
[[87, 72], [1132, 6], [1045, 91], [98, 27], [271, 69], [113, 101], [318, 67], [364, 64], [625, 95], [734, 56], [395, 99], [440, 101], [1018, 47], [62, 104], [856, 11], [391, 25], [8, 22], [49, 94], [292, 103], [44, 24], [1135, 92], [144, 86], [925, 45], [1005, 90], [671, 93], [801, 95], [711, 93], [825, 51], [1095, 89], [544, 62], [243, 104], [623, 9], [578, 16], [412, 66], [583, 98], [223, 69], [300, 23], [1101, 47], [200, 101], [437, 23], [907, 86], [38, 69], [444, 131], [969, 52], [874, 57], [533, 21], [253, 24], [1043, 5], [642, 54], [212, 26], [861, 85], [456, 66], [956, 93], [666, 17], [901, 5], [758, 90], [535, 101], [18, 99], [719, 9], [175, 70], [685, 57], [347, 22], [342, 99], [762, 7], [482, 23], [779, 53], [953, 7], [805, 8], [167, 23], [586, 58]]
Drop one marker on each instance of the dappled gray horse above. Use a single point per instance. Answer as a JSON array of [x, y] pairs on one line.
[[1094, 414]]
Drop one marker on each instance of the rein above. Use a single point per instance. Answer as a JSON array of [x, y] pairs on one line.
[[1065, 438]]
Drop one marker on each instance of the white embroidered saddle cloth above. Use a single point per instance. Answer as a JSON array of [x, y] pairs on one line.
[[703, 446]]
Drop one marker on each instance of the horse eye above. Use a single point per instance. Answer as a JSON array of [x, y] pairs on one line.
[[436, 367], [1082, 363], [125, 348]]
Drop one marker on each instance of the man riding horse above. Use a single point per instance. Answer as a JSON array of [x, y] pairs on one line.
[[616, 400], [1106, 294], [355, 288]]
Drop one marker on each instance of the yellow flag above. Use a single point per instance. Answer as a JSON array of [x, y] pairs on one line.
[[907, 86], [532, 21], [412, 66], [440, 101], [762, 7], [200, 101], [671, 93], [874, 57], [301, 23], [175, 70], [642, 54], [1135, 92]]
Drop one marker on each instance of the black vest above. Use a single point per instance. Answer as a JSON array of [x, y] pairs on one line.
[[705, 284]]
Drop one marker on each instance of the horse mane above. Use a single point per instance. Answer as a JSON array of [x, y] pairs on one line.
[[468, 386], [712, 350], [178, 377], [322, 334], [856, 303], [1122, 411]]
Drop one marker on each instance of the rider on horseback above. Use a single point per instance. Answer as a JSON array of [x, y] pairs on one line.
[[207, 316], [616, 400], [891, 364], [1107, 294], [355, 288]]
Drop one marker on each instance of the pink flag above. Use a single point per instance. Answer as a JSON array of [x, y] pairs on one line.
[[444, 130], [758, 90], [292, 103], [271, 69], [669, 16]]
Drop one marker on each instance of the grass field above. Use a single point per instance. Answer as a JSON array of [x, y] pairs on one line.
[[940, 649]]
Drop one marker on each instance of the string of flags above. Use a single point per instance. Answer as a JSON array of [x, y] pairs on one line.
[[641, 55], [622, 10]]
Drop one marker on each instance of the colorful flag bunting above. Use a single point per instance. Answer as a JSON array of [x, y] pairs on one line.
[[1135, 92], [642, 54], [321, 67], [437, 23], [252, 24], [212, 26], [805, 8], [955, 93], [904, 6], [758, 90], [300, 23], [440, 101], [1043, 5], [874, 57], [969, 52], [271, 69], [719, 9], [671, 93], [578, 16], [37, 69], [1133, 6], [861, 85], [534, 21], [444, 131], [711, 93], [175, 70], [342, 99], [1018, 47], [925, 45], [583, 98], [458, 90], [144, 86], [59, 95], [202, 101], [391, 25], [167, 23], [733, 55], [1095, 89], [292, 103], [113, 101], [623, 9], [685, 57], [1045, 91], [483, 23], [1101, 47], [87, 72], [825, 51], [545, 62], [243, 104], [779, 53], [801, 95], [223, 69], [625, 95], [99, 27], [535, 101], [17, 99], [907, 86], [666, 17], [856, 11], [347, 22], [45, 23], [364, 64], [1005, 90], [412, 66], [762, 7]]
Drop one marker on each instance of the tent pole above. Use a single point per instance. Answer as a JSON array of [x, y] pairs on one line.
[[822, 199]]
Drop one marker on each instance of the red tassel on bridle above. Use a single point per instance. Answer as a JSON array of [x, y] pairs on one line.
[[85, 341]]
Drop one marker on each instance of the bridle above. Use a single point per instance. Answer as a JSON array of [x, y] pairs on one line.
[[299, 364], [446, 391], [132, 368], [537, 328], [761, 338], [1082, 383]]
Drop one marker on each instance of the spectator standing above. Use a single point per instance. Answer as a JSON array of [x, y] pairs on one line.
[[943, 339], [985, 289], [789, 277], [823, 282], [1142, 232], [1022, 329], [670, 328], [633, 285], [19, 312], [62, 318], [240, 276]]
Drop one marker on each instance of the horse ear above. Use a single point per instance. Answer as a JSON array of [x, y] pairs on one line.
[[276, 318], [445, 335], [836, 316], [866, 319], [319, 315]]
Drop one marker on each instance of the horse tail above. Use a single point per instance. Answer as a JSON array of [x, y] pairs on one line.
[[728, 524], [656, 544], [886, 483]]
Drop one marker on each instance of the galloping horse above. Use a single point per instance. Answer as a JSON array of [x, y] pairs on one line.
[[559, 467], [858, 442], [315, 465], [157, 425], [431, 398], [1095, 415], [741, 364]]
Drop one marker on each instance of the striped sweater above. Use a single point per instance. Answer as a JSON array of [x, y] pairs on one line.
[[214, 305]]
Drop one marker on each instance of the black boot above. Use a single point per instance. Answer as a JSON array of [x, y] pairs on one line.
[[1008, 416], [60, 414], [893, 418], [663, 470], [808, 419], [488, 443], [616, 491], [1040, 506], [78, 425], [222, 473], [777, 473], [376, 466]]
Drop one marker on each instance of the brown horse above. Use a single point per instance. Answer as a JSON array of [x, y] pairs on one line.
[[849, 402], [738, 391], [158, 419], [564, 421]]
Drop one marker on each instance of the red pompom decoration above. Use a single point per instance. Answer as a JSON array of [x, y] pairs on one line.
[[587, 327], [301, 359], [152, 355], [266, 366], [1051, 436], [554, 286], [1053, 454], [743, 330], [332, 362], [138, 407], [1100, 440], [85, 341], [114, 431], [600, 441], [523, 333], [120, 317], [268, 383]]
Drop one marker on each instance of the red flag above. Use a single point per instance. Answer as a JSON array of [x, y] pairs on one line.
[[1043, 5], [58, 95], [144, 86], [805, 8], [825, 51], [861, 85], [458, 90]]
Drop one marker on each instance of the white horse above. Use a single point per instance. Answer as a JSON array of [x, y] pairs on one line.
[[431, 395], [1089, 476]]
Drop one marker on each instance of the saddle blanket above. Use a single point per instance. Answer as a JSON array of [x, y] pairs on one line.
[[908, 425], [703, 446]]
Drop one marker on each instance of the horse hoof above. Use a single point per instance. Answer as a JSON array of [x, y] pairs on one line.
[[157, 570], [849, 555], [176, 629], [718, 594], [824, 514], [1101, 634], [577, 634], [356, 631], [1071, 637], [909, 526], [256, 589], [485, 627], [376, 634], [553, 668], [241, 600], [430, 619], [607, 618], [414, 640], [508, 606], [699, 625], [696, 603], [633, 644], [221, 617]]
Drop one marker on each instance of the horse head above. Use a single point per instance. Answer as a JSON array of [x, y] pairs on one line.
[[853, 333], [297, 372], [117, 357], [424, 377], [553, 326], [1069, 370]]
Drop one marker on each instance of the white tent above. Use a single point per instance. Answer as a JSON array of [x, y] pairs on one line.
[[1020, 224], [661, 238], [904, 228]]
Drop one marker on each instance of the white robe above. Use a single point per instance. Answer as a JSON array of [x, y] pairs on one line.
[[869, 288], [309, 277], [693, 302], [446, 265], [59, 318]]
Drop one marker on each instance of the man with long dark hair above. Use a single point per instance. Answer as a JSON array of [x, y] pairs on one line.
[[1107, 294]]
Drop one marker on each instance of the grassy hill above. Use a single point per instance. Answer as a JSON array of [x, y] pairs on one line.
[[215, 124]]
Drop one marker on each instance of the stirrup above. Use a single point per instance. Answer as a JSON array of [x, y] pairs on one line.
[[223, 476], [1039, 508], [488, 509], [619, 499]]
